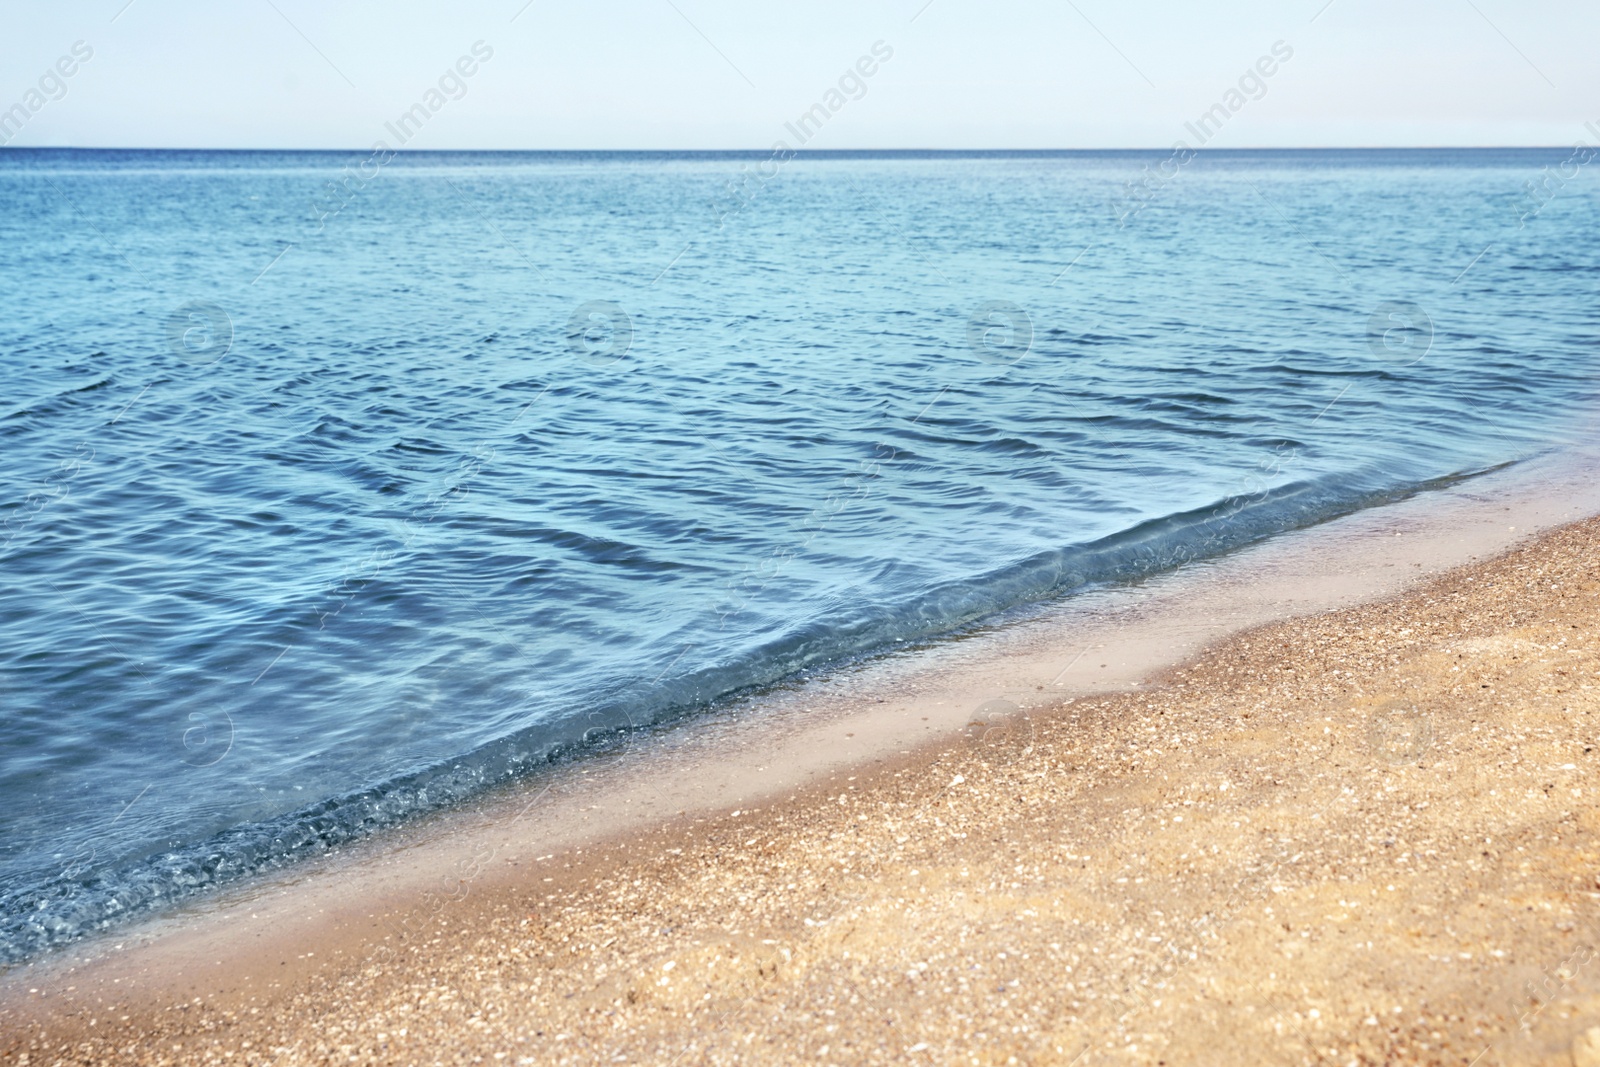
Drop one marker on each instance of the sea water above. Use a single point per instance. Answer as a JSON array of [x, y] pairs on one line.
[[338, 487]]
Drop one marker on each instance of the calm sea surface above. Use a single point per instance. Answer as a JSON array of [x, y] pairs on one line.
[[333, 492]]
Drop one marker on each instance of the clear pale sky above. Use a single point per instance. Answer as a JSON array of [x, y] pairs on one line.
[[729, 73]]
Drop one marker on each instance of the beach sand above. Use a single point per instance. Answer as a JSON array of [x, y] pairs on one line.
[[1364, 836]]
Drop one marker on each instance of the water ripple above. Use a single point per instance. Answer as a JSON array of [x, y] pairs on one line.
[[411, 534]]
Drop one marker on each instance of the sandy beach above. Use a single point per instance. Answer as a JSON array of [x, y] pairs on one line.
[[1362, 836]]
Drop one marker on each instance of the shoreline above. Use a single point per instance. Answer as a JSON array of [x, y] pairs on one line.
[[567, 837]]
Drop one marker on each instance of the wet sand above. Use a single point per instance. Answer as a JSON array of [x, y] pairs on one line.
[[1364, 835]]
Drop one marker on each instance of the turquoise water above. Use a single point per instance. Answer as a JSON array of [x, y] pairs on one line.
[[325, 506]]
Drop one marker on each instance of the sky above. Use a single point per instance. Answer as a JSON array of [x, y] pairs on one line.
[[722, 74]]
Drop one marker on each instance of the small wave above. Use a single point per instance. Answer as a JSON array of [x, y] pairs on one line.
[[65, 909]]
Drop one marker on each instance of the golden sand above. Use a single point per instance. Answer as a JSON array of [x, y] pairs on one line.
[[1367, 836]]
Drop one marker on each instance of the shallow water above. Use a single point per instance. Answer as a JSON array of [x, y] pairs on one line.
[[325, 509]]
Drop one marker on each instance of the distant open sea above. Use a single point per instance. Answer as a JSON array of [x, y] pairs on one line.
[[336, 489]]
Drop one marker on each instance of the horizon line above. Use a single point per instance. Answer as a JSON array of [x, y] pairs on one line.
[[798, 151]]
